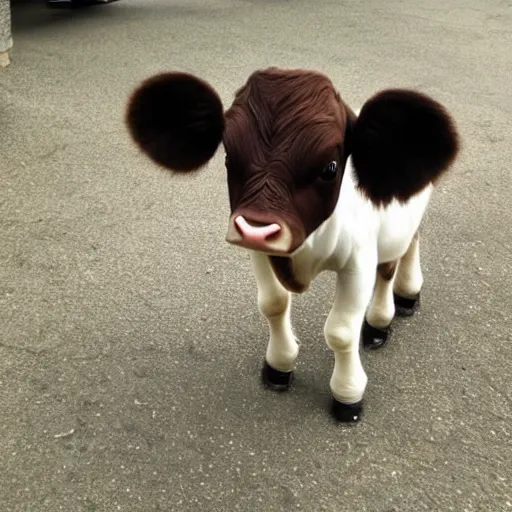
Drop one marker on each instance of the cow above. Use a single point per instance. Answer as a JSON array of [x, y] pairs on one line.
[[313, 186]]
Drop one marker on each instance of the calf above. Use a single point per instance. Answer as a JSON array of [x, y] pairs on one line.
[[312, 187]]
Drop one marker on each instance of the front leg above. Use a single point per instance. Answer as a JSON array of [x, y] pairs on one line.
[[274, 302], [342, 332]]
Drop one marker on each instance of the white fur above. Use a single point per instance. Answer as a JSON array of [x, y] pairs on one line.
[[351, 242]]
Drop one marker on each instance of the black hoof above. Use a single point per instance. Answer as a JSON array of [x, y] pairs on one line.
[[346, 413], [275, 379], [405, 306], [374, 337]]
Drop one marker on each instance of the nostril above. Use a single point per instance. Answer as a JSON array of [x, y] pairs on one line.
[[256, 233]]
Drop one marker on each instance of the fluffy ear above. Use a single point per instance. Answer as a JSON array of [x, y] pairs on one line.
[[401, 142], [177, 120]]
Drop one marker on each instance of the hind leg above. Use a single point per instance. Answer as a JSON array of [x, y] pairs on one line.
[[381, 310], [397, 291], [409, 280]]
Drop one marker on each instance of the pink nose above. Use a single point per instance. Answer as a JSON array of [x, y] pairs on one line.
[[255, 234]]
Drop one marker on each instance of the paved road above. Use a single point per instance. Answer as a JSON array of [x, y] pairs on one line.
[[130, 340]]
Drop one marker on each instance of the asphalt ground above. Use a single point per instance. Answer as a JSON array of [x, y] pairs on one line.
[[130, 340]]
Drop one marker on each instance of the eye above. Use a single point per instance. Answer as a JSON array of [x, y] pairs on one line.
[[330, 171]]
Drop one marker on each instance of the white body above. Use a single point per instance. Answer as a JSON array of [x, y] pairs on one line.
[[351, 242]]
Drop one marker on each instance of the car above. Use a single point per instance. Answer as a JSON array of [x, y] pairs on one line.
[[75, 3]]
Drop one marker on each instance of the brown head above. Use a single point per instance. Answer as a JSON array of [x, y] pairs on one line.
[[287, 137]]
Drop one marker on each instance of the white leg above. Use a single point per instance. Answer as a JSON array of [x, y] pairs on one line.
[[274, 302], [342, 333], [409, 278], [382, 307]]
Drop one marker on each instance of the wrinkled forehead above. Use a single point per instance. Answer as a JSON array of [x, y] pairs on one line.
[[284, 112]]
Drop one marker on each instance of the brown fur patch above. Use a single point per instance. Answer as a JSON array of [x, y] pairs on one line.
[[387, 270], [402, 141], [177, 119], [283, 268]]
